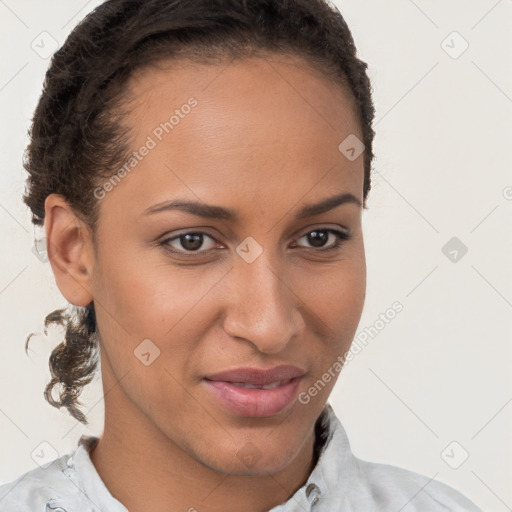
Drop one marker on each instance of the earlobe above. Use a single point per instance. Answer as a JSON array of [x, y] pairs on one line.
[[69, 250]]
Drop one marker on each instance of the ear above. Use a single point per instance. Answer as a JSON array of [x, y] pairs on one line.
[[69, 249]]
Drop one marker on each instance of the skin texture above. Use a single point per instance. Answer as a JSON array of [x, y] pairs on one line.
[[262, 140]]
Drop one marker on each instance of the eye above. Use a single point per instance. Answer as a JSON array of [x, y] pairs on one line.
[[190, 242], [318, 238]]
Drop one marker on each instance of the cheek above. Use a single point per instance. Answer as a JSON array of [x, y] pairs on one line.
[[336, 294], [149, 317], [150, 299], [335, 300]]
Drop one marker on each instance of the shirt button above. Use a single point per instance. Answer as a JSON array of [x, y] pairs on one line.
[[49, 508], [312, 492]]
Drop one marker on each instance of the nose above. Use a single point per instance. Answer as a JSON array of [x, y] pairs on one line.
[[262, 309]]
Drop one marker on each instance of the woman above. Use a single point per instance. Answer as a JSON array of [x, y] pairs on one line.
[[200, 170]]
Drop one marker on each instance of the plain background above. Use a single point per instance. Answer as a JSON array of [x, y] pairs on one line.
[[433, 385]]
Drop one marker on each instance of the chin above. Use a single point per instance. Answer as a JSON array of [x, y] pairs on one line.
[[250, 461]]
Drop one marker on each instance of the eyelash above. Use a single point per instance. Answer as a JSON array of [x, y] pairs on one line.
[[341, 236]]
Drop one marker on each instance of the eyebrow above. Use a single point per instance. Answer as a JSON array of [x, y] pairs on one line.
[[220, 212]]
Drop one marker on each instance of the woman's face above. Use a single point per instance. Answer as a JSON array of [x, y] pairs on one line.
[[260, 288]]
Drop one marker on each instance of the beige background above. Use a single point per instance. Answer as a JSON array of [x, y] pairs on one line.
[[439, 372]]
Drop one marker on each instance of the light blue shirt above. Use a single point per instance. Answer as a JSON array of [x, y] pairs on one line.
[[340, 482]]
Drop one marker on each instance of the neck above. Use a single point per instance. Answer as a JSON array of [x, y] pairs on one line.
[[146, 470], [143, 476]]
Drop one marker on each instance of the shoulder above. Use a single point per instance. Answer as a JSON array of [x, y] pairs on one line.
[[393, 486], [33, 490], [358, 484]]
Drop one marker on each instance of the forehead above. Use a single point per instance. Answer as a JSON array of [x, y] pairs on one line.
[[257, 124], [281, 81]]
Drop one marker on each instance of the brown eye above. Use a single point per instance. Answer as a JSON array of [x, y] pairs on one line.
[[188, 242], [318, 238]]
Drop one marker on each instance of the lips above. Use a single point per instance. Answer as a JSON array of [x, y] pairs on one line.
[[254, 391], [257, 376]]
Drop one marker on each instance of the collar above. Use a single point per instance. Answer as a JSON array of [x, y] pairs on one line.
[[334, 472], [95, 492], [325, 484]]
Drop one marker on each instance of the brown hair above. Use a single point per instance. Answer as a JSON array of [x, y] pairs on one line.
[[77, 137]]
